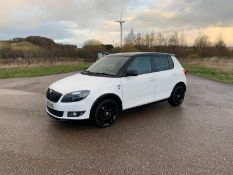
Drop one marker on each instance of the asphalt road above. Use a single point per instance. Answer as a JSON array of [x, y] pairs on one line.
[[196, 138]]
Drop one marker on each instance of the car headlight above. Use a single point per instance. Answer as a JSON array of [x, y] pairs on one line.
[[75, 96]]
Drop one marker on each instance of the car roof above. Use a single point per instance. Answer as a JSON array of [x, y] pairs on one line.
[[130, 54]]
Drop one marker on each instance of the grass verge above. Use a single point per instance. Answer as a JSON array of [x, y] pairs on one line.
[[40, 71], [210, 73], [194, 69]]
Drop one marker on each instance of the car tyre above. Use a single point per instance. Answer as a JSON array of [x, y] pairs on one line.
[[177, 96], [106, 113]]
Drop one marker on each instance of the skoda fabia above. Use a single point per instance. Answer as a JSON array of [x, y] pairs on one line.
[[117, 82]]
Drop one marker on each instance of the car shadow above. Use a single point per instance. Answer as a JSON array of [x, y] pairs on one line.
[[149, 112]]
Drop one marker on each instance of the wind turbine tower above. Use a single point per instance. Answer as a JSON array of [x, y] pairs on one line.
[[121, 27]]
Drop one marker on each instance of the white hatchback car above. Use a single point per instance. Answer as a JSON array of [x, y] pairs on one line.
[[117, 82]]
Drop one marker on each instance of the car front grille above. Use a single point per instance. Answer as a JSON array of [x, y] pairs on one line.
[[53, 95], [55, 112]]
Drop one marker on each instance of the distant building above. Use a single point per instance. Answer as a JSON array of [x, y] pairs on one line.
[[18, 39]]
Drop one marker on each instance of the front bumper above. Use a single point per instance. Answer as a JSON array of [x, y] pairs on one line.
[[60, 110]]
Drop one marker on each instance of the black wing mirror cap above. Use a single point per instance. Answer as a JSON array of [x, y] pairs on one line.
[[131, 73]]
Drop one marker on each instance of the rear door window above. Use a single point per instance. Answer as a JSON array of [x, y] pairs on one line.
[[141, 64]]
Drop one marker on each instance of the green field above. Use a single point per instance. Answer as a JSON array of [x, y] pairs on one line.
[[209, 73], [40, 71]]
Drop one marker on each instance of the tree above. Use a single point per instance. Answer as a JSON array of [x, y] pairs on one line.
[[138, 39], [182, 40], [41, 41], [128, 48], [160, 39], [6, 51], [149, 40], [92, 42], [173, 42], [92, 48], [130, 38], [173, 39], [220, 47], [202, 45]]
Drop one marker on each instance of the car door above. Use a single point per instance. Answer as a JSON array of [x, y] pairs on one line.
[[138, 90], [165, 77]]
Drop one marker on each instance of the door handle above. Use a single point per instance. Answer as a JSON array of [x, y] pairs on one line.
[[174, 74]]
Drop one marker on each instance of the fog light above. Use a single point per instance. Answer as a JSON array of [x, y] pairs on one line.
[[75, 113]]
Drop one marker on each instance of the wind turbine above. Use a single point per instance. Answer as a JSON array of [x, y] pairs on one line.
[[121, 27]]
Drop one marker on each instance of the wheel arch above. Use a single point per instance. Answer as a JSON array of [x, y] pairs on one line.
[[103, 97], [181, 83], [170, 99]]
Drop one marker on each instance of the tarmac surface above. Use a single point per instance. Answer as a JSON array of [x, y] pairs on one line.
[[195, 138]]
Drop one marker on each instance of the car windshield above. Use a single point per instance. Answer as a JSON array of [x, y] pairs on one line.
[[108, 65]]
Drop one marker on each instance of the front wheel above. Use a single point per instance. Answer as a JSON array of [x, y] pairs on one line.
[[177, 96], [106, 113]]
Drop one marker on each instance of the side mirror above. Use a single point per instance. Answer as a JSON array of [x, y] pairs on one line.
[[130, 73]]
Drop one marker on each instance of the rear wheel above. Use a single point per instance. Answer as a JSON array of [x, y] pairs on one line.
[[177, 96], [106, 113]]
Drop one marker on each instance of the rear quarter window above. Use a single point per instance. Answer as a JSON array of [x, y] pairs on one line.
[[161, 63], [170, 61]]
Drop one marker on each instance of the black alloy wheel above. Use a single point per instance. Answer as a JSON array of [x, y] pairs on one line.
[[177, 96], [106, 113]]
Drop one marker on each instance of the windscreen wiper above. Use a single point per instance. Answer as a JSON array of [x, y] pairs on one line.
[[103, 73], [97, 73], [86, 72]]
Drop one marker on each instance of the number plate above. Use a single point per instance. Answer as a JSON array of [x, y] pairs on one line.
[[50, 105]]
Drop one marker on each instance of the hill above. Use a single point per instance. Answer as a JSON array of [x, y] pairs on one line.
[[35, 46], [21, 45]]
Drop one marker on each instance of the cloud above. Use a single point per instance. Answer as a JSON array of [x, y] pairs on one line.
[[75, 21], [57, 19], [189, 16], [188, 13]]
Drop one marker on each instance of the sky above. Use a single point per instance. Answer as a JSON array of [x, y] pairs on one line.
[[75, 21]]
